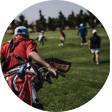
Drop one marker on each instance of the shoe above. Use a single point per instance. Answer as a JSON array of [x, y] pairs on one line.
[[62, 44], [81, 43], [59, 44], [97, 63]]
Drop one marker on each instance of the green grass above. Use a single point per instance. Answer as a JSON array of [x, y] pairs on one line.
[[84, 79]]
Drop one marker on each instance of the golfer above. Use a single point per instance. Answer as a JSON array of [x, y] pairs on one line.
[[11, 55], [41, 38], [62, 38], [83, 32], [94, 46]]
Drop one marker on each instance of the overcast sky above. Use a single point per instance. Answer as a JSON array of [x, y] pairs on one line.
[[50, 9]]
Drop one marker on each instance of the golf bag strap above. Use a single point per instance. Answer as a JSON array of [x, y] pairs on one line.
[[11, 54]]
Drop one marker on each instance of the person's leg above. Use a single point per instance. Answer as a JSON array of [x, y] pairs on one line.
[[82, 40], [42, 43], [39, 43], [97, 57], [93, 57], [62, 42]]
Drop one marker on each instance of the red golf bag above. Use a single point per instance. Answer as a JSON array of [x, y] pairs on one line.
[[26, 85]]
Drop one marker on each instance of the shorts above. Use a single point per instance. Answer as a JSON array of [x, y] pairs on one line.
[[95, 50], [62, 38]]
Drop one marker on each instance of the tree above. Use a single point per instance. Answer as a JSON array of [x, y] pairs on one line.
[[41, 23], [71, 21], [52, 23], [13, 25], [61, 20], [31, 25], [80, 18], [22, 21], [91, 19]]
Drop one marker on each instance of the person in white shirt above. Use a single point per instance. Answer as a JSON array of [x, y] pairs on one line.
[[41, 38]]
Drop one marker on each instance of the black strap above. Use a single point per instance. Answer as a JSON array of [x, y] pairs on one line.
[[12, 47], [58, 61]]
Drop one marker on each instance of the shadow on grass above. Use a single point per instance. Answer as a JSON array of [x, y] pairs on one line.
[[103, 62], [71, 44]]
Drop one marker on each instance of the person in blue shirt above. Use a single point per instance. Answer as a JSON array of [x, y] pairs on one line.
[[83, 32]]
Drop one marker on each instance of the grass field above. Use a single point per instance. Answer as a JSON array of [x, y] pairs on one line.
[[84, 79]]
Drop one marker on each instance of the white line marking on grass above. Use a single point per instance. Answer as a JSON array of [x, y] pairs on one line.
[[68, 33], [51, 37]]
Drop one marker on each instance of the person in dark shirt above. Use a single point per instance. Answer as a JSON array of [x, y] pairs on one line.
[[94, 46]]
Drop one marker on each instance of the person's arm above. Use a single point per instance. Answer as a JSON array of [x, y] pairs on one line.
[[0, 58], [89, 45], [36, 57]]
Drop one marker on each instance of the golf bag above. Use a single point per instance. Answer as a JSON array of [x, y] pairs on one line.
[[26, 80], [43, 38]]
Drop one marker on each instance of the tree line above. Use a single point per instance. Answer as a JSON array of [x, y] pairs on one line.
[[61, 21]]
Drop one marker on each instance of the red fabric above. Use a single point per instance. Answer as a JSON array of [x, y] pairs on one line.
[[62, 34], [5, 74], [22, 50], [26, 94], [23, 85]]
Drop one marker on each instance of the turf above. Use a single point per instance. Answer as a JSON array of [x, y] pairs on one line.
[[84, 79]]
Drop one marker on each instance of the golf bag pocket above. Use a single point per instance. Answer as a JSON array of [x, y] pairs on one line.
[[61, 65], [16, 77]]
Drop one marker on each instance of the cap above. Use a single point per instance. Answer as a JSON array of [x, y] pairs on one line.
[[81, 24], [23, 29], [42, 31], [94, 31]]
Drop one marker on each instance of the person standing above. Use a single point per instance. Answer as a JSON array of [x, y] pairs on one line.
[[41, 38], [94, 46], [17, 51], [25, 49], [62, 38], [83, 32]]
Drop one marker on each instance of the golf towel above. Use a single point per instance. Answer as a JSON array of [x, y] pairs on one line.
[[24, 89]]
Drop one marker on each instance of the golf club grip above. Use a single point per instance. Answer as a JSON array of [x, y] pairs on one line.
[[62, 74], [49, 81]]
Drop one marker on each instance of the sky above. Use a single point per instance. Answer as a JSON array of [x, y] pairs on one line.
[[50, 9]]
